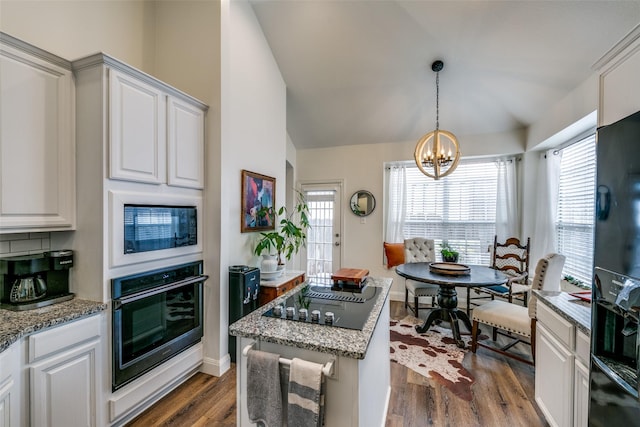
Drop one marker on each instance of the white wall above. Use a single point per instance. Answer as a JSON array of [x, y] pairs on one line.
[[76, 28], [253, 134], [572, 116], [361, 168]]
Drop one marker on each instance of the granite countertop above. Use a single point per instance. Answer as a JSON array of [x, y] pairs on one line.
[[326, 339], [17, 324], [569, 307]]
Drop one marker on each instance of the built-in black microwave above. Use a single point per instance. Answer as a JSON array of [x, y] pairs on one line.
[[155, 227]]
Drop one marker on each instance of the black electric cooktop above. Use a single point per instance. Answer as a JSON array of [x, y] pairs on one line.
[[350, 309]]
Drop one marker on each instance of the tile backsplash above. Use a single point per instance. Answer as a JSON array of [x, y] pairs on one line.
[[24, 243]]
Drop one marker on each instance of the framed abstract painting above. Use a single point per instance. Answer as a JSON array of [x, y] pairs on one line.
[[258, 195]]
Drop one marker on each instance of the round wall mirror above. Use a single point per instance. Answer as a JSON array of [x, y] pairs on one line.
[[362, 203]]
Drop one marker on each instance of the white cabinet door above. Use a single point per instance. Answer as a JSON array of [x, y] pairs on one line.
[[37, 140], [63, 388], [64, 367], [137, 114], [6, 396], [554, 378], [581, 395], [10, 380], [185, 139]]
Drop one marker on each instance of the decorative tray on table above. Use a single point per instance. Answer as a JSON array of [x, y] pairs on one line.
[[449, 268]]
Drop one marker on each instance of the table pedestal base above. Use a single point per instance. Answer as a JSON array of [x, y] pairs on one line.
[[447, 311]]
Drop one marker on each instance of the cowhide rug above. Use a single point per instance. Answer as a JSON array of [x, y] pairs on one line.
[[433, 354]]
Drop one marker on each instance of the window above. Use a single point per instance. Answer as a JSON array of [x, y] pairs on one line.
[[460, 208], [576, 203]]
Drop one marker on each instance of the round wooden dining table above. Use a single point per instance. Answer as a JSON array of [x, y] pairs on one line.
[[447, 310]]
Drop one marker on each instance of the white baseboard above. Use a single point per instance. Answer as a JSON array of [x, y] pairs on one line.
[[396, 295], [216, 367]]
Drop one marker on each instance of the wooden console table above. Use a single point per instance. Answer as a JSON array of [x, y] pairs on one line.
[[271, 289]]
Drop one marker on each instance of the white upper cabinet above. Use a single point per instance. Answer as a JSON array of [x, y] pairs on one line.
[[619, 68], [156, 132], [137, 129], [37, 139], [185, 144]]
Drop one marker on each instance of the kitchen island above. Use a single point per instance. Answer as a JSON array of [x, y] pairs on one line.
[[357, 389]]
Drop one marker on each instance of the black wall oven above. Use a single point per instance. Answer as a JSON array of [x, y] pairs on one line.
[[156, 315]]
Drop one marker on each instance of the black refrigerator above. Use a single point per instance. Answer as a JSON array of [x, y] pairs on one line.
[[615, 343]]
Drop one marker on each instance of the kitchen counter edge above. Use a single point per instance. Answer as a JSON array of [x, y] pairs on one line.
[[572, 309], [334, 340], [15, 325]]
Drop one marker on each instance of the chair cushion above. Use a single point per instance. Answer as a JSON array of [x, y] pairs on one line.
[[503, 291], [421, 289], [503, 315], [497, 290], [419, 249], [394, 253]]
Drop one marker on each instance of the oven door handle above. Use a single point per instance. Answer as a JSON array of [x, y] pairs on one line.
[[117, 303]]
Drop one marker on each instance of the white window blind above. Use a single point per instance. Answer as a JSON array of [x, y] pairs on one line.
[[459, 209], [576, 204]]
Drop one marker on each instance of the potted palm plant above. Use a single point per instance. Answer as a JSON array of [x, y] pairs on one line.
[[291, 234]]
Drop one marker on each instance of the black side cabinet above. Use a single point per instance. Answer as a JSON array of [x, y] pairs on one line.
[[244, 286]]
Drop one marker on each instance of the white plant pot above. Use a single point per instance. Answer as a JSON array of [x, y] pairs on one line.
[[269, 263]]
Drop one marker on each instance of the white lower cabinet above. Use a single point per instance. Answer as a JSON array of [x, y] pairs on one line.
[[10, 415], [64, 366], [554, 378], [581, 395], [562, 370]]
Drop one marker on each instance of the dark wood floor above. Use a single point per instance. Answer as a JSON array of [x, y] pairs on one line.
[[502, 396]]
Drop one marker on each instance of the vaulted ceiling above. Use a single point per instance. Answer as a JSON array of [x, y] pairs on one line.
[[360, 71]]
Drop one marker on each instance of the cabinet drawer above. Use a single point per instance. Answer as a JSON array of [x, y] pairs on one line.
[[562, 329], [286, 287], [62, 337], [583, 347], [269, 293]]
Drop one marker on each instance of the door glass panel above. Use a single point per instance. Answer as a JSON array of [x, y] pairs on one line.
[[321, 235]]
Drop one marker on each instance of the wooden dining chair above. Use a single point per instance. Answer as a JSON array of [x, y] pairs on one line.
[[516, 321], [512, 258]]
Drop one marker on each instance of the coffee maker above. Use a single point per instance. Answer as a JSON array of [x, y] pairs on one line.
[[33, 281]]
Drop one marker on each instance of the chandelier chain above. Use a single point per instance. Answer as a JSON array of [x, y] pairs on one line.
[[437, 100]]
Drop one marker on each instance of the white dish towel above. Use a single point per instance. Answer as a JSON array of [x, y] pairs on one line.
[[306, 394]]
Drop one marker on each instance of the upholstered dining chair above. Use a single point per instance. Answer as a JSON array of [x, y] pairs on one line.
[[419, 249], [517, 320], [512, 258]]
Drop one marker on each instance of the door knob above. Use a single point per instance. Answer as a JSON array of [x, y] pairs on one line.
[[337, 243]]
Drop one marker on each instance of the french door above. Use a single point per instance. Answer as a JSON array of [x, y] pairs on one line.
[[324, 248]]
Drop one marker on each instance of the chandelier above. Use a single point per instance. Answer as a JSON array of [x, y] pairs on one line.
[[438, 152]]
